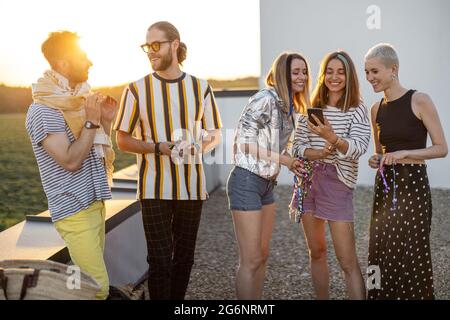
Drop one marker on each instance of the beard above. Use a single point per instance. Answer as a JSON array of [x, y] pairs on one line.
[[79, 75], [164, 62]]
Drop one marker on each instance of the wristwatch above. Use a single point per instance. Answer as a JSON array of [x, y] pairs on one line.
[[157, 151], [89, 125]]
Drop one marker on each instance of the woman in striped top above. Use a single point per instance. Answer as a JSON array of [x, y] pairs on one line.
[[335, 147]]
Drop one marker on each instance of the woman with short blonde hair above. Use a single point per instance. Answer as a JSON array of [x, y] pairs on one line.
[[399, 243]]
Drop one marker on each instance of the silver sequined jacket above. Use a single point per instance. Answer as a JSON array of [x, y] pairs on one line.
[[264, 123]]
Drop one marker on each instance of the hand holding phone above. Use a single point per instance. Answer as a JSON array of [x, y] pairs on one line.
[[325, 130], [318, 112]]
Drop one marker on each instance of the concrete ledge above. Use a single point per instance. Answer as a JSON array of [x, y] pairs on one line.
[[37, 238]]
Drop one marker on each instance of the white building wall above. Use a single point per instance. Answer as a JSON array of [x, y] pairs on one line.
[[230, 110], [418, 29]]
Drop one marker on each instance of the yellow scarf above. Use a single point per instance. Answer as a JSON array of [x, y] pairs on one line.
[[53, 90]]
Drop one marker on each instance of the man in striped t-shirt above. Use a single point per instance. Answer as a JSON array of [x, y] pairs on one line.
[[169, 119], [64, 124]]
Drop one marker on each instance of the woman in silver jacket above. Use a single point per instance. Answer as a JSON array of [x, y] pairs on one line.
[[260, 148]]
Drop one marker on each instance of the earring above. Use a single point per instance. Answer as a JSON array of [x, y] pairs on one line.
[[393, 77]]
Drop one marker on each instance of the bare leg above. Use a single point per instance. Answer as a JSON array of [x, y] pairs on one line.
[[253, 231], [268, 219], [344, 245], [314, 230]]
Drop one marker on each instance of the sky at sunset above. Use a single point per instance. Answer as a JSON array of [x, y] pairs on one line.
[[222, 36]]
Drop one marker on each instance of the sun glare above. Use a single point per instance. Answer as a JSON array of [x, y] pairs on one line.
[[111, 32]]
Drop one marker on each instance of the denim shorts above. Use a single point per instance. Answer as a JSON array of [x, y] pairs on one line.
[[247, 191]]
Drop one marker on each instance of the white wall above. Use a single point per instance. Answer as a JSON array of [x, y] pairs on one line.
[[418, 29], [230, 110]]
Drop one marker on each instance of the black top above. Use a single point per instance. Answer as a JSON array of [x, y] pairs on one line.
[[398, 126]]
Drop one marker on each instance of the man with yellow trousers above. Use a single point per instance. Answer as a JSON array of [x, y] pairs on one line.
[[69, 128]]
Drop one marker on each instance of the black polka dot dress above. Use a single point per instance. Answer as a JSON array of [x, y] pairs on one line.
[[400, 236]]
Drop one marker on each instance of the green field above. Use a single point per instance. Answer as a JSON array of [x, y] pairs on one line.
[[21, 191]]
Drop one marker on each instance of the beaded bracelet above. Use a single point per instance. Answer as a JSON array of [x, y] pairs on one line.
[[386, 187], [302, 185]]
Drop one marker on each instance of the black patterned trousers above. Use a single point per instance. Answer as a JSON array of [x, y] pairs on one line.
[[171, 228]]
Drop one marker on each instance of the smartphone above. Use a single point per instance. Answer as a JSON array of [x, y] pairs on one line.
[[318, 112]]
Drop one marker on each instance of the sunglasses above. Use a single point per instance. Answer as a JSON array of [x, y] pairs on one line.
[[155, 45]]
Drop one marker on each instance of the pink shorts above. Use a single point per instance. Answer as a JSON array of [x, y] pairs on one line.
[[329, 198]]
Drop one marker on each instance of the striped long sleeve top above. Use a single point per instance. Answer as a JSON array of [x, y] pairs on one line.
[[352, 126]]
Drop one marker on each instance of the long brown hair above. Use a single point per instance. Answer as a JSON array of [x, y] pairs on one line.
[[172, 34], [351, 97], [278, 79]]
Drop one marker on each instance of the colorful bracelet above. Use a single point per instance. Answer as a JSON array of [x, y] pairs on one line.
[[302, 185], [386, 187]]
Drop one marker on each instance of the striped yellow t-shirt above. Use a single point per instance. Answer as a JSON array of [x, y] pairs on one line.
[[154, 110]]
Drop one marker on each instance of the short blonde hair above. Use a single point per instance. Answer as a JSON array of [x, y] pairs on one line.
[[58, 44], [385, 52]]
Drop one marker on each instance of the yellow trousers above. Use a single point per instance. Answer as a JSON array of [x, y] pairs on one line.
[[84, 235]]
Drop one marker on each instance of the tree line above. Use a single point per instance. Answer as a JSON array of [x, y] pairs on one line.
[[18, 99]]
